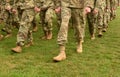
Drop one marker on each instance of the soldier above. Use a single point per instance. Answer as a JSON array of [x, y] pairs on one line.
[[74, 9], [91, 12], [24, 33], [106, 16], [34, 26], [47, 16], [113, 9], [100, 5], [7, 18], [16, 13]]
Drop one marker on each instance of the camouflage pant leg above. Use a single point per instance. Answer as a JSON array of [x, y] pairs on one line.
[[42, 20], [63, 32], [78, 23], [49, 16], [105, 23], [8, 22], [24, 32], [108, 15], [92, 20], [113, 9], [58, 16], [100, 19]]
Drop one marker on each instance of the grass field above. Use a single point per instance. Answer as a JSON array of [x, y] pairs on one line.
[[100, 58]]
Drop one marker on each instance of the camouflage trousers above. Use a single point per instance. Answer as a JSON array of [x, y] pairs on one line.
[[24, 33], [47, 19], [106, 18], [113, 7], [100, 18], [7, 18], [92, 22], [58, 17], [79, 24]]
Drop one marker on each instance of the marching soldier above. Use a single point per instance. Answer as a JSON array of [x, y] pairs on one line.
[[113, 9], [106, 16], [100, 5], [70, 8], [47, 14], [24, 33], [7, 18], [92, 13]]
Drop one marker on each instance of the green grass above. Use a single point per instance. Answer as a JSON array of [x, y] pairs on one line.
[[100, 58]]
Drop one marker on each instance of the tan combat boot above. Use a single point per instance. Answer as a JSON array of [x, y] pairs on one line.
[[100, 33], [8, 35], [45, 35], [79, 47], [35, 28], [1, 37], [17, 49], [104, 30], [49, 36], [61, 56], [92, 37]]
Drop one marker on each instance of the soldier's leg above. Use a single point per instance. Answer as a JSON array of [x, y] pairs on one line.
[[63, 33], [22, 35], [43, 24], [100, 23], [50, 14], [8, 29], [105, 23], [91, 23], [8, 25], [35, 27], [58, 20], [30, 39], [79, 23]]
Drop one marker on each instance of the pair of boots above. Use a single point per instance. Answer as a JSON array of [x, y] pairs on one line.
[[62, 55], [48, 35]]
